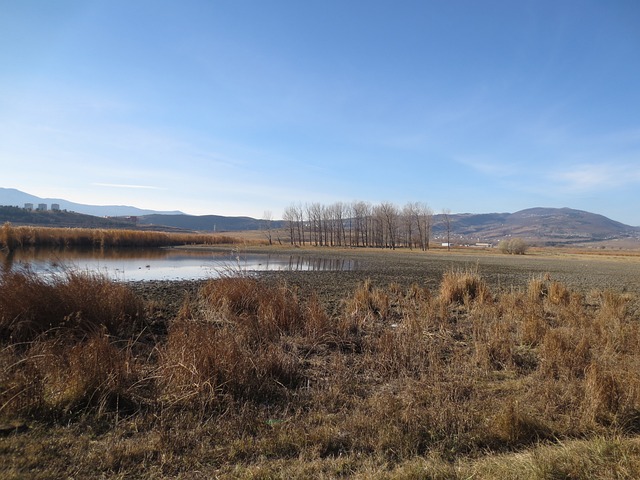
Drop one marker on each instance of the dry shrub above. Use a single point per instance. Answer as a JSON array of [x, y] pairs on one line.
[[55, 379], [602, 394], [514, 427], [58, 336], [513, 246], [533, 329], [91, 374], [97, 300], [558, 293], [419, 341], [21, 385], [573, 312], [408, 419], [525, 313], [549, 304], [401, 351], [507, 332], [614, 305], [395, 327], [565, 354], [462, 286], [368, 303], [418, 295], [196, 361], [537, 289], [318, 325], [237, 341], [497, 353], [205, 365], [72, 303], [265, 311]]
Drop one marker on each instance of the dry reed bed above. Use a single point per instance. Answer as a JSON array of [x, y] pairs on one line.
[[250, 380], [12, 237]]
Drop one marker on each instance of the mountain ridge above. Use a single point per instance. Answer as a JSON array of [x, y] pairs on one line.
[[17, 198], [545, 225], [541, 223]]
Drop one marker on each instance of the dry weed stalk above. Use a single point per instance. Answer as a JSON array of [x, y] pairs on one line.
[[260, 374], [463, 286], [71, 303]]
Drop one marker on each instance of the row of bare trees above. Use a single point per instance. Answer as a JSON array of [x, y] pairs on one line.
[[359, 224]]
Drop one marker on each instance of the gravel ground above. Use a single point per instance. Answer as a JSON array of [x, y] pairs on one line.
[[583, 272]]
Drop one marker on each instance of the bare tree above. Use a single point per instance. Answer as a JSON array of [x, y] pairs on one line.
[[407, 229], [424, 218], [266, 225], [376, 227], [360, 211], [327, 225], [446, 220], [339, 211], [314, 214], [513, 246], [348, 213], [299, 215], [289, 217], [357, 224], [389, 214]]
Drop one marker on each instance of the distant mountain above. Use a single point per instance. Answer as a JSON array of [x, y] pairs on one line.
[[551, 226], [16, 198], [544, 225], [536, 225], [208, 223], [62, 218]]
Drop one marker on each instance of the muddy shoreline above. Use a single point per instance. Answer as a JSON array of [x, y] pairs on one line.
[[584, 273]]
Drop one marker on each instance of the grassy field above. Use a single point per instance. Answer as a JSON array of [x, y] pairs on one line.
[[414, 365]]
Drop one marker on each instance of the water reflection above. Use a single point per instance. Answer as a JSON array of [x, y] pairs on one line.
[[164, 264]]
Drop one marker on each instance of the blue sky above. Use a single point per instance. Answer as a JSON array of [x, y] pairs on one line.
[[238, 107]]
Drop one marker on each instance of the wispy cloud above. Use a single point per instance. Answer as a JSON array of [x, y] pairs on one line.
[[488, 165], [589, 177], [120, 185]]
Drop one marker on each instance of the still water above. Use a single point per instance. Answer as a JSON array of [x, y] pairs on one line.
[[164, 264]]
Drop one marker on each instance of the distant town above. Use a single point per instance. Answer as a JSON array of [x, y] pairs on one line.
[[42, 207]]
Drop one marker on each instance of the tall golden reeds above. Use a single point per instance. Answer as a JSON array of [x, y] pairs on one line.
[[72, 303], [12, 237]]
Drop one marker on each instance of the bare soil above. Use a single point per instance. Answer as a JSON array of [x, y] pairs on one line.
[[583, 271]]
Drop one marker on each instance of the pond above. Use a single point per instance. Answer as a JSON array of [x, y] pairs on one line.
[[164, 264]]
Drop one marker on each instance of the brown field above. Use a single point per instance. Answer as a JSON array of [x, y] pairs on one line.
[[468, 364]]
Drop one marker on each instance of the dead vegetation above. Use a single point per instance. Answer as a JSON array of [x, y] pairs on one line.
[[13, 237], [256, 380]]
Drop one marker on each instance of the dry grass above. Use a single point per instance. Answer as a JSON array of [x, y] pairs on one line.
[[71, 303], [12, 237], [463, 287], [252, 381]]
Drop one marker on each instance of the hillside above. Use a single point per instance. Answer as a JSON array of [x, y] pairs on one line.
[[17, 198], [207, 223], [20, 216], [544, 225]]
